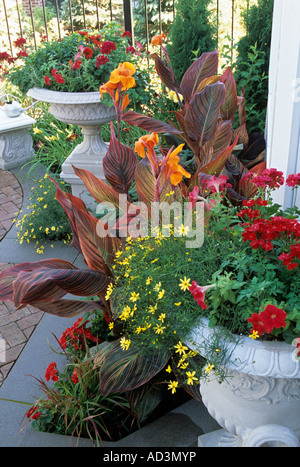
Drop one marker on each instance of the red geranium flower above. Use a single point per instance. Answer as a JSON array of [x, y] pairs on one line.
[[19, 42], [88, 52], [101, 60], [107, 47], [293, 180], [74, 377], [59, 78], [47, 80], [32, 413], [126, 34], [52, 372]]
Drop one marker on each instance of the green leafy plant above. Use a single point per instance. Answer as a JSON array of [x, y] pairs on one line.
[[80, 62], [192, 31], [45, 221]]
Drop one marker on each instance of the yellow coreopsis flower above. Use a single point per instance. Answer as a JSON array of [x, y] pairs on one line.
[[185, 283], [125, 343], [180, 348], [191, 377], [160, 294], [134, 297], [172, 386]]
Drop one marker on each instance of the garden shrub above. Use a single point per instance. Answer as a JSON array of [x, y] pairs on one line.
[[192, 33], [252, 65]]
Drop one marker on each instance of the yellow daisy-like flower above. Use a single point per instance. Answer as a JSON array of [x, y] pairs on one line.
[[254, 335], [173, 386], [159, 329], [148, 281], [152, 308], [109, 291], [134, 297], [183, 230], [191, 377], [125, 343], [157, 287], [162, 317], [180, 348], [208, 368], [160, 294], [169, 369], [185, 284], [111, 325]]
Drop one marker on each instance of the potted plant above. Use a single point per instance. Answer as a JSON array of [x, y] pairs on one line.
[[67, 74], [234, 301]]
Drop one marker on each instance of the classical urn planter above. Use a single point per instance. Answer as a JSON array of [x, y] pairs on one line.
[[85, 110], [258, 403]]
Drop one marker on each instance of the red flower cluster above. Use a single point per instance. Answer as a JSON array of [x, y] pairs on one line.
[[52, 372], [107, 47], [57, 76], [19, 42], [261, 232], [271, 178], [101, 60], [32, 413], [76, 335], [270, 318], [74, 377], [88, 52], [76, 65], [293, 180]]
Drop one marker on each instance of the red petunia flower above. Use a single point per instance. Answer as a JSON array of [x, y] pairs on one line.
[[199, 292], [273, 318], [32, 413], [257, 323]]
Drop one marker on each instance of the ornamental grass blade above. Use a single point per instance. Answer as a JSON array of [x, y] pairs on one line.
[[204, 67], [8, 276], [119, 164], [51, 285], [148, 123], [202, 114], [125, 370]]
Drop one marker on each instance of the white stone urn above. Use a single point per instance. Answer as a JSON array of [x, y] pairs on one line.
[[258, 402], [85, 110]]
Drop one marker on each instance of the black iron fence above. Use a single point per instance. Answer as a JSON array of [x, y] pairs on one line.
[[55, 18]]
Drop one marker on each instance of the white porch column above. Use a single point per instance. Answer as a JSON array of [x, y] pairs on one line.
[[283, 116]]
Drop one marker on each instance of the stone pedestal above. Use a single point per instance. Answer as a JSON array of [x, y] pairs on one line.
[[85, 110], [15, 140]]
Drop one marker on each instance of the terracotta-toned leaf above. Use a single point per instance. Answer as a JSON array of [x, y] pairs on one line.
[[148, 123], [52, 284], [206, 81], [201, 117], [119, 164], [8, 276], [165, 74], [216, 166], [230, 105], [145, 182], [125, 370], [68, 308], [202, 68], [100, 190]]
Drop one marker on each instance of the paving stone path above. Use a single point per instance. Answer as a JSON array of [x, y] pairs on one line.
[[16, 326]]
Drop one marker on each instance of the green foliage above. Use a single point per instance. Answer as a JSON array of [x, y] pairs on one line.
[[45, 221], [56, 55], [153, 18], [192, 33], [252, 65], [87, 16]]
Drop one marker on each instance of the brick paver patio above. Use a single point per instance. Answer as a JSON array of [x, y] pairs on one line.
[[16, 326]]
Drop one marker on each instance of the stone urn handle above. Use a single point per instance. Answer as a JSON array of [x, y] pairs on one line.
[[272, 434]]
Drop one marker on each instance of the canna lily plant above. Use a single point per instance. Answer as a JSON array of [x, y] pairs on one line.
[[44, 284]]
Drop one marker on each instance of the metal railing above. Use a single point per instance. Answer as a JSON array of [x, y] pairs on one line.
[[13, 16]]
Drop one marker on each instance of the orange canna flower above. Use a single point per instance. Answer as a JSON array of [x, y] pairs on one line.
[[147, 142], [172, 169], [108, 87], [157, 40], [123, 74]]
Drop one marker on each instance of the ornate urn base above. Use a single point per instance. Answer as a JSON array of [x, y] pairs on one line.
[[85, 110], [258, 403]]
